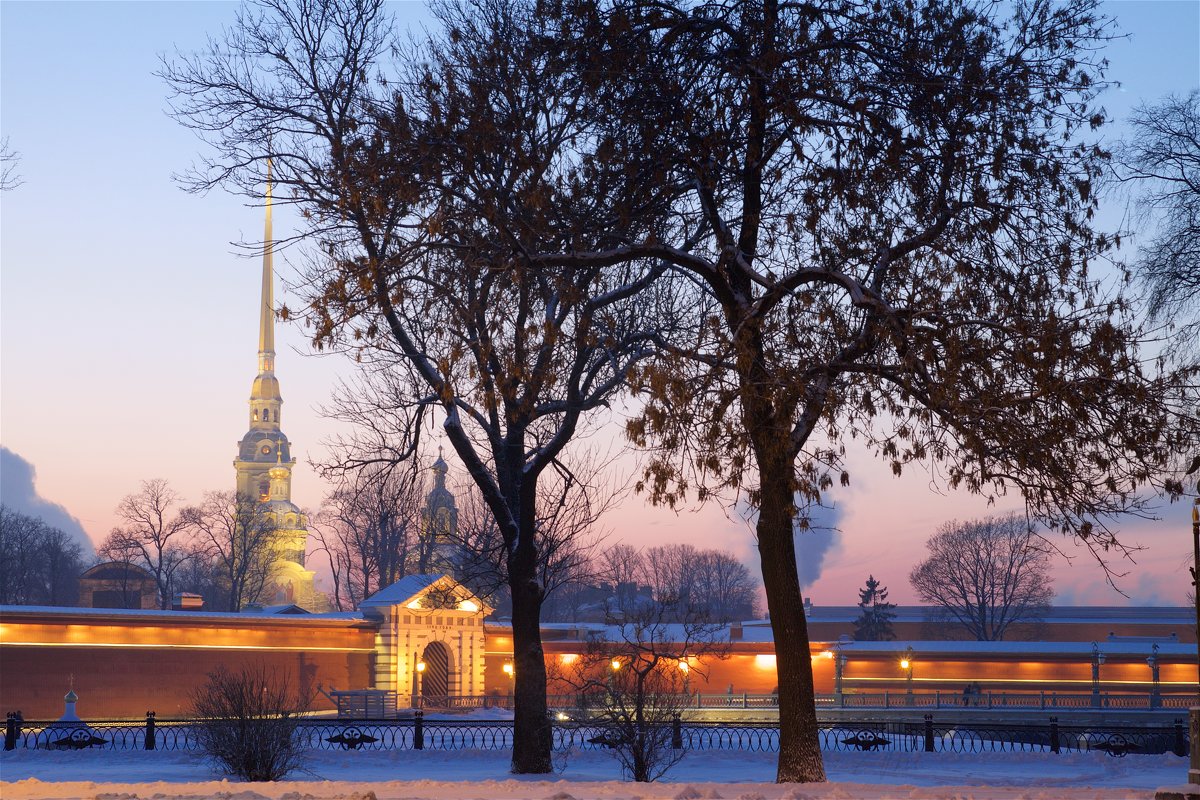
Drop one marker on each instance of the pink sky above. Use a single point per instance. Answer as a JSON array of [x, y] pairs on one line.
[[128, 321]]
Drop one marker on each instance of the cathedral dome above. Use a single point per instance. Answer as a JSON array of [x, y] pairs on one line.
[[265, 387]]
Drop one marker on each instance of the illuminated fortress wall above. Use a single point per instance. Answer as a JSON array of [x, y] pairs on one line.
[[125, 663]]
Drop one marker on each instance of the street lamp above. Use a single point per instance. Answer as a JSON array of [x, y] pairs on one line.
[[418, 668], [906, 664], [1155, 697], [1097, 660]]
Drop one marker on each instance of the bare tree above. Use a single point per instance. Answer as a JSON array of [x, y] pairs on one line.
[[9, 161], [1163, 158], [368, 529], [154, 535], [417, 191], [708, 582], [726, 589], [986, 575], [39, 564], [637, 682], [237, 535]]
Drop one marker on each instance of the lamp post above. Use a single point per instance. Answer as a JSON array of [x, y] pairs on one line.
[[1097, 660], [906, 664], [839, 670], [511, 672], [1152, 661]]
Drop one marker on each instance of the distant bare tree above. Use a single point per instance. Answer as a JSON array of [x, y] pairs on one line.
[[1163, 158], [368, 529], [154, 535], [637, 682], [986, 575], [237, 536], [9, 161], [39, 564], [711, 582]]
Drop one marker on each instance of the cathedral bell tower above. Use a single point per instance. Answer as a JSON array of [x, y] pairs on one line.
[[264, 462]]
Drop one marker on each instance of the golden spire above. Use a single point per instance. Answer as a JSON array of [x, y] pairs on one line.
[[266, 323]]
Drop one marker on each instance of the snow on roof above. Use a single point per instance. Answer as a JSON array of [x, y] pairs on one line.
[[405, 590], [402, 590]]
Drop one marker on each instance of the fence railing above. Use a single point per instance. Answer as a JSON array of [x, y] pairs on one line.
[[590, 734], [379, 704]]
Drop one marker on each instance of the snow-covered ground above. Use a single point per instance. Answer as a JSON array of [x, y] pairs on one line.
[[471, 775]]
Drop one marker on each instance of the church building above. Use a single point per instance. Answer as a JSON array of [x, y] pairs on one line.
[[264, 461]]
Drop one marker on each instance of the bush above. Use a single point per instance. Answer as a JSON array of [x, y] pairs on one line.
[[247, 722]]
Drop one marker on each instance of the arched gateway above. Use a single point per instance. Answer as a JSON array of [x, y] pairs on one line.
[[435, 689], [434, 621]]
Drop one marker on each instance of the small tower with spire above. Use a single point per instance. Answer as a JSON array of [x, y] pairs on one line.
[[439, 524], [264, 462]]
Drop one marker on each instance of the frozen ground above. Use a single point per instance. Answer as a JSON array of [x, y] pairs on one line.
[[474, 775]]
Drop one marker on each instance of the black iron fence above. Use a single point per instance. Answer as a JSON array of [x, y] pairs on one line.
[[421, 734]]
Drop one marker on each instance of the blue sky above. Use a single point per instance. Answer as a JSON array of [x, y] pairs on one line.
[[128, 319]]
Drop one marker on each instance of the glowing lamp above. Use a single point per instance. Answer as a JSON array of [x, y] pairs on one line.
[[904, 662], [684, 667], [508, 668], [569, 658], [468, 605], [420, 666], [615, 664]]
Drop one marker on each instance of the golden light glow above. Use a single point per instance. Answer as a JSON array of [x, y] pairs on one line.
[[684, 667], [904, 662], [415, 605], [469, 606], [764, 661], [508, 668], [569, 658], [420, 666], [615, 664], [561, 717], [826, 654], [145, 645]]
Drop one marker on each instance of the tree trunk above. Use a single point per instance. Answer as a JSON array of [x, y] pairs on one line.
[[532, 733], [799, 743]]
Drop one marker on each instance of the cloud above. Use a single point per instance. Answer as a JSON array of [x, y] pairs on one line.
[[18, 491]]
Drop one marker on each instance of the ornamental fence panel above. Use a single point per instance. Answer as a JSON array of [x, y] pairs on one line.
[[592, 734]]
